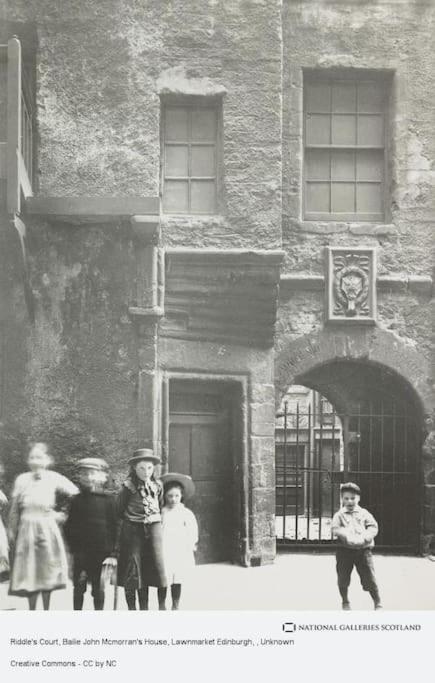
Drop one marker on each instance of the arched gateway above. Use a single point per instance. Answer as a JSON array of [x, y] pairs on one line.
[[376, 384]]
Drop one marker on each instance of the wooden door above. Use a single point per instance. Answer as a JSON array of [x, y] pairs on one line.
[[200, 445]]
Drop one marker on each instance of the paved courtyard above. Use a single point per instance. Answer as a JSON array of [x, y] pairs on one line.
[[294, 582]]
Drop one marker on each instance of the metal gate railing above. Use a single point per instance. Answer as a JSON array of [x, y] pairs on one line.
[[376, 446]]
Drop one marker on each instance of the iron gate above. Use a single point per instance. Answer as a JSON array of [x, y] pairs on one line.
[[376, 445]]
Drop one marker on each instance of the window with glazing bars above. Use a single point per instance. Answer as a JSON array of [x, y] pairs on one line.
[[190, 169], [344, 141]]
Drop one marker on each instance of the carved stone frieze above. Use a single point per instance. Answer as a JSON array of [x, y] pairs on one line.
[[351, 290]]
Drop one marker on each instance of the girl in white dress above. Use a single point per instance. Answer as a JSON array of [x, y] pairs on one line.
[[39, 562], [180, 533]]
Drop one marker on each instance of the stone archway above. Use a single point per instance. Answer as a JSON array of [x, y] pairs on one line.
[[363, 365]]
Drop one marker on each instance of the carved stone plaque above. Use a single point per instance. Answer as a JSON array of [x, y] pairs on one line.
[[351, 290]]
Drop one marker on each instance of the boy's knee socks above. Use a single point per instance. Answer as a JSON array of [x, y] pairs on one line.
[[344, 593], [130, 598], [78, 595], [374, 592], [143, 598], [161, 595], [175, 594], [99, 602]]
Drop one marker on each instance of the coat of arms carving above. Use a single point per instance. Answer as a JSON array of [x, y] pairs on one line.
[[351, 291]]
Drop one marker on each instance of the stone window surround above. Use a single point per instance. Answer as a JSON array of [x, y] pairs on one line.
[[293, 149], [189, 101], [355, 77]]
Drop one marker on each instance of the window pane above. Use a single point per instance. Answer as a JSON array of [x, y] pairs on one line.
[[317, 164], [342, 165], [176, 160], [343, 130], [342, 197], [204, 124], [317, 197], [318, 97], [317, 129], [203, 196], [203, 161], [344, 97], [370, 97], [176, 196], [369, 198], [176, 124], [370, 130], [369, 165]]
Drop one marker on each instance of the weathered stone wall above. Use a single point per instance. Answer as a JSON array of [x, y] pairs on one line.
[[381, 34], [101, 67], [371, 35], [71, 376]]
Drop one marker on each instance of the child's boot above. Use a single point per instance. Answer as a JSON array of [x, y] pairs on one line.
[[175, 594], [345, 604], [143, 598], [99, 602], [78, 595], [161, 595]]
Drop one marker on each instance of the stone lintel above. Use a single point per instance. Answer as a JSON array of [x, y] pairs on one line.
[[231, 257], [142, 314], [78, 210]]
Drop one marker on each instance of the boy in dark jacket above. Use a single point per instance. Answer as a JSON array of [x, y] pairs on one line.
[[91, 530]]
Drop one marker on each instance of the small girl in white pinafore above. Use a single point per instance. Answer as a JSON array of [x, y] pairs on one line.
[[179, 533]]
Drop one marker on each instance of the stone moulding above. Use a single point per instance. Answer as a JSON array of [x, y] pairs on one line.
[[350, 285], [92, 209], [303, 282]]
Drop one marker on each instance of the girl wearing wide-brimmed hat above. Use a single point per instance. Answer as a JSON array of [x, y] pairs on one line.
[[140, 562], [180, 533]]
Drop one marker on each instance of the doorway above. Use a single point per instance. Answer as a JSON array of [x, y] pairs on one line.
[[201, 444]]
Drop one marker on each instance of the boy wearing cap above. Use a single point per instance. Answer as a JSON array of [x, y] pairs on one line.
[[355, 530], [91, 530]]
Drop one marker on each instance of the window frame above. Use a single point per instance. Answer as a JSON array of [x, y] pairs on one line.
[[191, 103], [331, 76]]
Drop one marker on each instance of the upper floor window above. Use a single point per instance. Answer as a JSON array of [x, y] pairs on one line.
[[344, 148], [17, 139], [190, 163]]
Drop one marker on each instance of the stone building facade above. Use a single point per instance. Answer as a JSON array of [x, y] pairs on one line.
[[164, 279]]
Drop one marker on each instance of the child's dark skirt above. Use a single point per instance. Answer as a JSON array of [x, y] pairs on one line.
[[140, 561]]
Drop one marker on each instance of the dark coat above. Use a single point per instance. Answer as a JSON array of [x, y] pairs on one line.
[[140, 562], [92, 524]]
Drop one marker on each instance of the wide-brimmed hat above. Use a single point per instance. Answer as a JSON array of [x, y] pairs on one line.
[[182, 480], [144, 454], [93, 464]]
